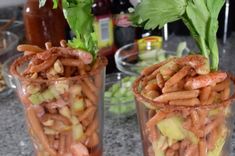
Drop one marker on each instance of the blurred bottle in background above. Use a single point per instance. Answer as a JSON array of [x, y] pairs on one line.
[[104, 31], [124, 32], [43, 24], [103, 24]]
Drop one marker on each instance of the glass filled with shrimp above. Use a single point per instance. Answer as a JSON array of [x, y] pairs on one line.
[[184, 108], [61, 90]]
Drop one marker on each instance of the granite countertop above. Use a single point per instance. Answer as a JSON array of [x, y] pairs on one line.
[[121, 137]]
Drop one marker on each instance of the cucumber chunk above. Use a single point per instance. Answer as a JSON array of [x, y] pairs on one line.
[[36, 99], [172, 128]]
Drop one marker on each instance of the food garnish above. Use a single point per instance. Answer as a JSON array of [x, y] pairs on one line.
[[78, 14], [200, 17]]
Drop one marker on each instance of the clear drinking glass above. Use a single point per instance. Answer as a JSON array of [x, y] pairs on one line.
[[180, 130], [65, 115]]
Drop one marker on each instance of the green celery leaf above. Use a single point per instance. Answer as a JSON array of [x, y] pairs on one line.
[[214, 7], [190, 26], [212, 43], [198, 16], [79, 17], [158, 12]]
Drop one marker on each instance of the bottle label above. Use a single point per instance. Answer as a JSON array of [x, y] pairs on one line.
[[122, 20], [104, 30]]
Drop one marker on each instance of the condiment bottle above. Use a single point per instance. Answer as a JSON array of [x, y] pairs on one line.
[[103, 23], [43, 24]]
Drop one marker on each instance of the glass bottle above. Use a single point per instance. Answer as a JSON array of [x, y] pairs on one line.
[[43, 24]]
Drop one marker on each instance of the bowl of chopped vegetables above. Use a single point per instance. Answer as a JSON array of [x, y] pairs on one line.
[[8, 42], [119, 100], [132, 58]]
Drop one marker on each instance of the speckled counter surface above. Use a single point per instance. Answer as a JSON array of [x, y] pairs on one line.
[[121, 137]]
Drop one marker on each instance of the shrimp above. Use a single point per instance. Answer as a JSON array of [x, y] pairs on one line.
[[205, 80], [198, 62], [79, 149]]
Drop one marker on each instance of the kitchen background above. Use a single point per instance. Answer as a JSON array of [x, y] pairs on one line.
[[121, 133]]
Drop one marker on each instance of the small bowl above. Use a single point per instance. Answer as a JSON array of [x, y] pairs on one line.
[[132, 58], [9, 79], [9, 42], [119, 100], [16, 27]]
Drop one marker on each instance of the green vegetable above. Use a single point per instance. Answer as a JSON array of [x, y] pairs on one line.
[[61, 86], [121, 109], [75, 90], [218, 147], [172, 128], [78, 105], [48, 95], [77, 132], [119, 95], [200, 17], [157, 146], [36, 99], [79, 16]]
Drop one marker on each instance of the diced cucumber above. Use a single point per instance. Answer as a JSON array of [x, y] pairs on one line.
[[172, 128], [218, 147], [120, 93], [48, 95], [159, 146], [119, 109], [74, 120], [55, 93], [192, 137], [220, 141], [108, 94], [115, 88], [78, 105], [62, 86], [75, 90], [77, 132], [171, 141], [65, 112], [36, 99]]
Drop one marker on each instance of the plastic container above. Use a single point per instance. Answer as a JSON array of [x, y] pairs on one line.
[[184, 130], [17, 27], [56, 111]]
